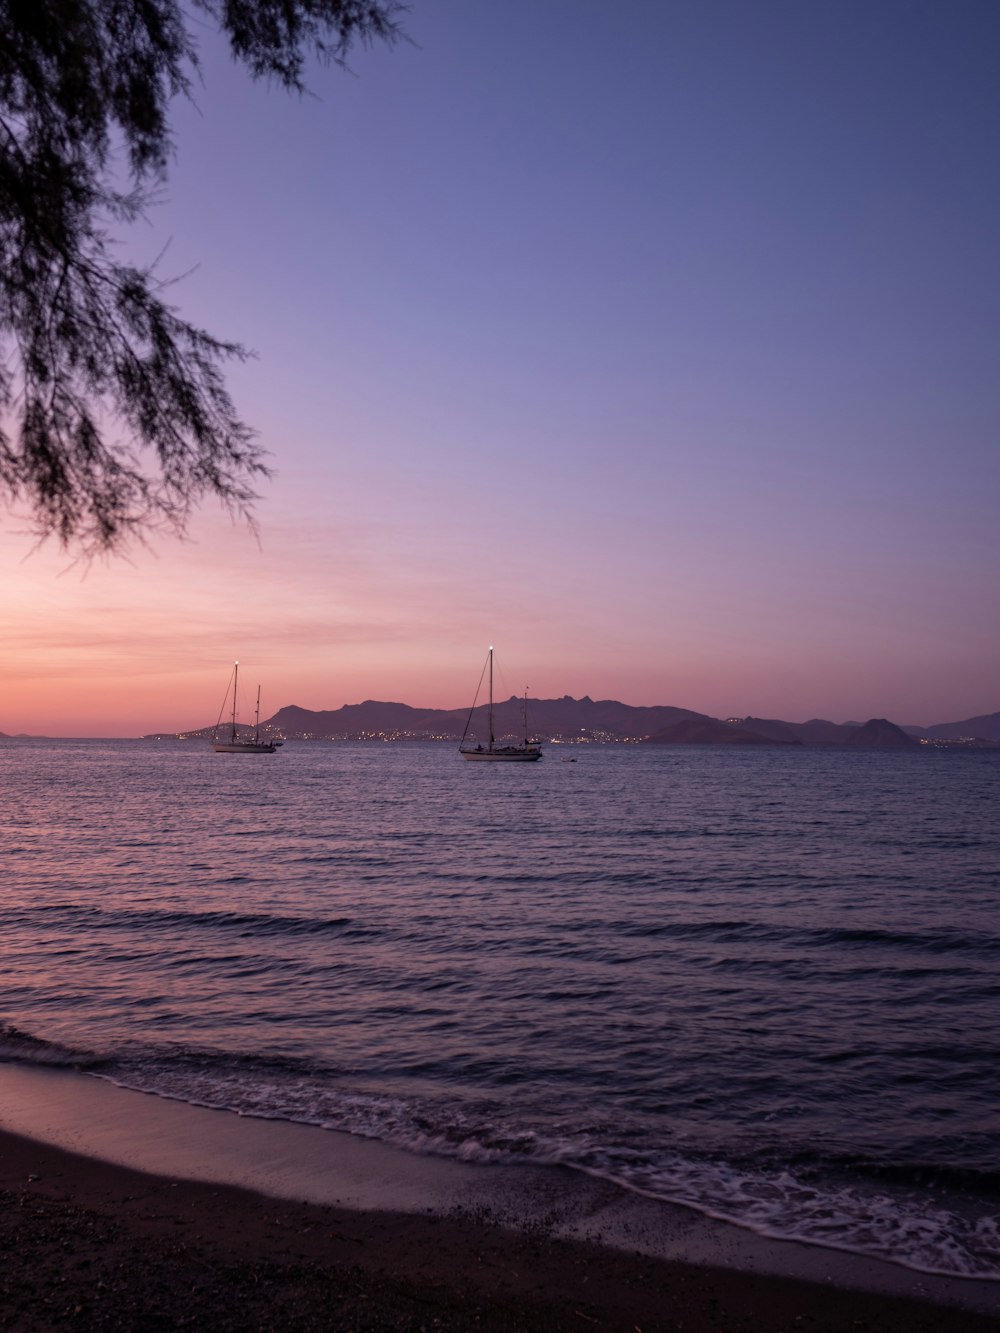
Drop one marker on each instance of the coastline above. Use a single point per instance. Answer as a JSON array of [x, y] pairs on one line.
[[120, 1205]]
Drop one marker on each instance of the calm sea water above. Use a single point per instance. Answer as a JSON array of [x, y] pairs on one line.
[[763, 984]]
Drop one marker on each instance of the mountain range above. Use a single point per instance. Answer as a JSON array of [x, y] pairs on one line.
[[575, 720]]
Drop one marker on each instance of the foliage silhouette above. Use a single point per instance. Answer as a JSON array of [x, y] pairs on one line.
[[89, 346]]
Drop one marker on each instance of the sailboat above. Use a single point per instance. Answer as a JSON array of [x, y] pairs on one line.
[[235, 744], [523, 753]]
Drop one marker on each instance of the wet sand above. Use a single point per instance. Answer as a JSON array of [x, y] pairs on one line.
[[87, 1241]]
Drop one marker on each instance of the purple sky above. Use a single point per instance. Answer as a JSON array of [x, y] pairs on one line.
[[656, 344]]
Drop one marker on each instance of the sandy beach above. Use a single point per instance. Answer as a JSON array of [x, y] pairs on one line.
[[91, 1242]]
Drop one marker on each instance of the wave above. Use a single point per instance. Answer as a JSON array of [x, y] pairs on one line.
[[243, 924], [915, 1216], [907, 1229], [920, 1216], [842, 942], [24, 1048], [943, 940]]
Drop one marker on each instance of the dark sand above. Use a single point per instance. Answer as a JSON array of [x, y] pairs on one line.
[[89, 1245]]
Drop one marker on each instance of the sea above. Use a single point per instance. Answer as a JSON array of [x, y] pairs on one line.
[[763, 984]]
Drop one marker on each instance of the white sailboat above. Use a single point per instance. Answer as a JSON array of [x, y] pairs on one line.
[[526, 752], [235, 743]]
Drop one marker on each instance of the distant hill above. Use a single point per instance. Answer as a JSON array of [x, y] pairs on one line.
[[984, 728], [568, 719], [817, 731], [880, 734], [778, 733], [710, 731], [368, 718]]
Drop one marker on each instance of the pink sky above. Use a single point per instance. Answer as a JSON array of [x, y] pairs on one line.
[[669, 368]]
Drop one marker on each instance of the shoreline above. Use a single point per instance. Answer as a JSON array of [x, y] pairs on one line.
[[96, 1179]]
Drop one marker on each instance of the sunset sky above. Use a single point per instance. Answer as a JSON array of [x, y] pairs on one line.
[[657, 344]]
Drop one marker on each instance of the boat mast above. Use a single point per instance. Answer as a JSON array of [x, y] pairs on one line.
[[491, 699], [256, 720], [236, 673]]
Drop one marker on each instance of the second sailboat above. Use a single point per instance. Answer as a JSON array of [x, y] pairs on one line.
[[241, 743], [526, 752]]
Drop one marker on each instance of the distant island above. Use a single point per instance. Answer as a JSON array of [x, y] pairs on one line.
[[569, 721]]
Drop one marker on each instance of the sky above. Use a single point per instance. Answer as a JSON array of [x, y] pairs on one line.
[[655, 344]]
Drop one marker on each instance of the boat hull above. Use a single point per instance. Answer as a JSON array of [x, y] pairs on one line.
[[502, 756], [244, 747]]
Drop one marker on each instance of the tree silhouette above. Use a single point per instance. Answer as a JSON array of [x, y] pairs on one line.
[[90, 350]]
